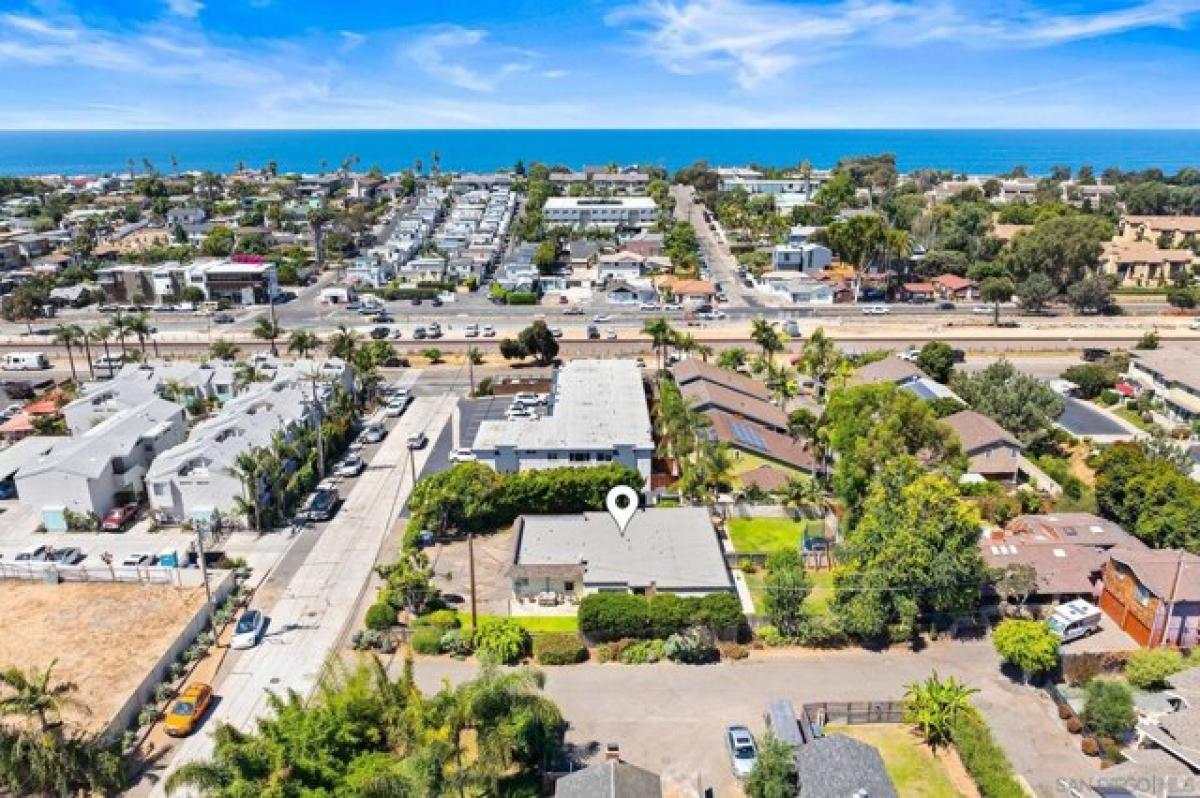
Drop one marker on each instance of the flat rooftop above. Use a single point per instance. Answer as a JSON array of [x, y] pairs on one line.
[[105, 637], [598, 404], [566, 203]]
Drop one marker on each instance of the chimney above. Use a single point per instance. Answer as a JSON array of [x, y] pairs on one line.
[[612, 752]]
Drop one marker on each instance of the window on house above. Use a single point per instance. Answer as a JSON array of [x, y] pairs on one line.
[[159, 489], [580, 457], [1141, 594], [569, 587]]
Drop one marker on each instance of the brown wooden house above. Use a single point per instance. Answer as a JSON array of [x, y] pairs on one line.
[[1154, 595]]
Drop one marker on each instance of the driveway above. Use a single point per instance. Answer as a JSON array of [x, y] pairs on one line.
[[1085, 420], [670, 717]]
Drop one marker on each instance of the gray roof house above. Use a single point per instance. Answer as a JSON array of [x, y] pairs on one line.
[[611, 779], [86, 472], [993, 451], [837, 766], [670, 549]]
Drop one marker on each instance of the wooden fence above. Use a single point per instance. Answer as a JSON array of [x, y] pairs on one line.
[[853, 713]]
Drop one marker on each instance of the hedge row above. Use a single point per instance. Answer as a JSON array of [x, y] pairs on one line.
[[984, 759], [613, 616]]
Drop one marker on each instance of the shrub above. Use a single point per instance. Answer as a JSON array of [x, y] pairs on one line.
[[455, 643], [983, 758], [381, 615], [820, 631], [691, 648], [1029, 645], [1090, 747], [668, 614], [611, 616], [1108, 397], [643, 652], [1108, 708], [559, 648], [1074, 725], [722, 613], [441, 619], [1064, 712], [733, 651], [1150, 669], [1079, 669], [426, 641], [771, 636], [501, 640]]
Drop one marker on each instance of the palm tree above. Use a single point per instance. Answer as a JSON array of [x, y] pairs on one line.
[[102, 334], [819, 358], [248, 469], [785, 388], [140, 328], [267, 329], [731, 359], [245, 375], [661, 334], [317, 218], [33, 694], [343, 344], [935, 705], [303, 342], [474, 358], [223, 350], [68, 335], [800, 492], [769, 339], [120, 325], [84, 338]]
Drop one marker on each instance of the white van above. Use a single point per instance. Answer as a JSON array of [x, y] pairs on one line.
[[24, 361], [1074, 620], [108, 362]]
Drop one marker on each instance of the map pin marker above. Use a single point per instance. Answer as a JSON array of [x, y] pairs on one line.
[[622, 515]]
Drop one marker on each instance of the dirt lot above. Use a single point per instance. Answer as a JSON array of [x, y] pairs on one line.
[[104, 636]]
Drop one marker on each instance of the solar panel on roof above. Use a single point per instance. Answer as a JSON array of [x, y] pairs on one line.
[[921, 390], [747, 435]]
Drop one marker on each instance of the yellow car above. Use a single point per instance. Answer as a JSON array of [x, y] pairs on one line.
[[188, 709]]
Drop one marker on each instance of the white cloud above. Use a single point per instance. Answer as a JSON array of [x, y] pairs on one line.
[[443, 53], [351, 40], [757, 41], [185, 8]]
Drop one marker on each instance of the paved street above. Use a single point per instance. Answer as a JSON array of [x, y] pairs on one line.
[[313, 615], [670, 717]]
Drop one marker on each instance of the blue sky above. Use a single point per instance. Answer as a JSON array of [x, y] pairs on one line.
[[640, 63]]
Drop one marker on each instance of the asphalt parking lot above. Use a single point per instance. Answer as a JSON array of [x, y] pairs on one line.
[[473, 412]]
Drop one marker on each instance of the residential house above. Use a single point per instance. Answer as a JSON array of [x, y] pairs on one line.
[[704, 396], [1173, 375], [582, 254], [797, 289], [918, 292], [598, 414], [648, 245], [1154, 595], [903, 374], [90, 472], [428, 269], [1168, 232], [689, 293], [953, 287], [992, 451], [1143, 264], [746, 438], [806, 258], [622, 292], [1067, 551], [661, 550], [186, 216], [619, 266], [837, 766], [609, 779], [691, 370]]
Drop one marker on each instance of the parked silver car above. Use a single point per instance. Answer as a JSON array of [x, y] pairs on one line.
[[743, 753]]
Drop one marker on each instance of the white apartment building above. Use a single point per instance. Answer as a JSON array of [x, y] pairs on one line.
[[602, 212], [597, 414], [805, 258]]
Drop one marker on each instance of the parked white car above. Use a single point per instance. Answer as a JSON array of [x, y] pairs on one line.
[[462, 456], [352, 466], [249, 629], [876, 310]]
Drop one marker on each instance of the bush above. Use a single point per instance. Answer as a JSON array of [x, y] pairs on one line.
[[733, 651], [612, 616], [691, 648], [643, 652], [1029, 645], [771, 636], [820, 631], [381, 615], [983, 758], [521, 298], [1064, 712], [559, 648], [426, 641], [722, 613], [1074, 725], [1108, 708], [668, 614], [440, 619], [1150, 669], [1090, 747], [1108, 397], [455, 643], [501, 640]]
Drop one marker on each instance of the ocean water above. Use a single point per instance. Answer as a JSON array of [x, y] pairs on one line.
[[971, 151]]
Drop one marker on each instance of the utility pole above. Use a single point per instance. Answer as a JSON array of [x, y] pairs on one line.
[[212, 617], [471, 559], [320, 446], [274, 325], [1171, 601]]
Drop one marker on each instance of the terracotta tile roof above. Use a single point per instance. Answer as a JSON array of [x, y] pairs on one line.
[[953, 282]]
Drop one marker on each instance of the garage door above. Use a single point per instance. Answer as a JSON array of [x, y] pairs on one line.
[[1132, 625]]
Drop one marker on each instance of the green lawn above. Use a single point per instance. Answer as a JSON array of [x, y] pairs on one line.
[[532, 623], [767, 535], [1132, 417], [913, 768], [822, 592]]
